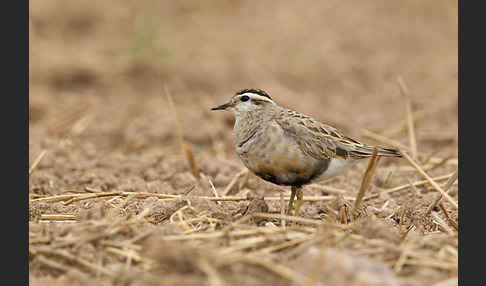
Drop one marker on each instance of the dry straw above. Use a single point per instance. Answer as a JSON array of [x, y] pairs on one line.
[[68, 199], [184, 147], [447, 186], [428, 178], [241, 241], [416, 184], [37, 161], [365, 183], [408, 109]]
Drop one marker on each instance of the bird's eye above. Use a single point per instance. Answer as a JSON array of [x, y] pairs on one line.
[[245, 98]]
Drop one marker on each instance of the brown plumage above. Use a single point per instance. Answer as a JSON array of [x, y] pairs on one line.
[[322, 141], [288, 148]]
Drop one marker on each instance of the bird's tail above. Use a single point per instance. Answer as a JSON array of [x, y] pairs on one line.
[[388, 152], [365, 151]]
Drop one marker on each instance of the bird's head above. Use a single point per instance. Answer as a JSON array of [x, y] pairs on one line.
[[247, 101]]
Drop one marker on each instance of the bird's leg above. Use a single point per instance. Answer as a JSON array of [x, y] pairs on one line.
[[291, 201], [300, 197]]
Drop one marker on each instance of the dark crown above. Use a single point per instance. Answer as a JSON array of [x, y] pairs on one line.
[[254, 90]]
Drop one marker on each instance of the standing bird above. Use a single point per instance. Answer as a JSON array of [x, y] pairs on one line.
[[288, 148]]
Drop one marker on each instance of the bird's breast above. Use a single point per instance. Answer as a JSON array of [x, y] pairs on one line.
[[278, 159]]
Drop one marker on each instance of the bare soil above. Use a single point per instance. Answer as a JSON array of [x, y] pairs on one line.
[[115, 199]]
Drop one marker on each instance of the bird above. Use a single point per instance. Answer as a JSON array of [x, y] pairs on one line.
[[288, 148]]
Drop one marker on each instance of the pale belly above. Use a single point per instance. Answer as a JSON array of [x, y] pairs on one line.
[[336, 167]]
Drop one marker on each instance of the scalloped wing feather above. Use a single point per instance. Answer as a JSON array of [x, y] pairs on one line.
[[322, 141]]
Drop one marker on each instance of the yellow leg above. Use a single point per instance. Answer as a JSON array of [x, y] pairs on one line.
[[300, 197], [291, 201]]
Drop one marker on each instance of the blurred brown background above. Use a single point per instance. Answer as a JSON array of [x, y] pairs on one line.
[[335, 60]]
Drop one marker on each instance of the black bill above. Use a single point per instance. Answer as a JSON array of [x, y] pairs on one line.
[[221, 107]]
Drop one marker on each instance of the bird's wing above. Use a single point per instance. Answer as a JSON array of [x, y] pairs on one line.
[[322, 141]]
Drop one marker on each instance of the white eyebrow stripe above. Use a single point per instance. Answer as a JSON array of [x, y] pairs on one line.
[[258, 97]]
